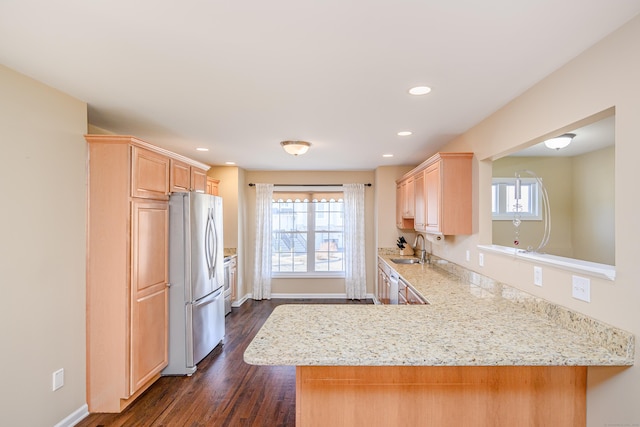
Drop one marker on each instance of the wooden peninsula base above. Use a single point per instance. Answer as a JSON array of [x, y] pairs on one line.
[[440, 396]]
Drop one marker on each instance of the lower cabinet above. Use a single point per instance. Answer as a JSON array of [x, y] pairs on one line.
[[405, 293], [149, 292]]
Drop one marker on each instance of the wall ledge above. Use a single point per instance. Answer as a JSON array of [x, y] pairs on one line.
[[594, 269]]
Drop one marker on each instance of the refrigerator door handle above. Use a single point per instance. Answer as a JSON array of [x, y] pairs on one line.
[[207, 244], [214, 238]]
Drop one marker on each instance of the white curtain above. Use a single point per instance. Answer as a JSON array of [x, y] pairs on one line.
[[354, 247], [262, 266]]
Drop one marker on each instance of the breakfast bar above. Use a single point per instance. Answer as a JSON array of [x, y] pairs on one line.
[[476, 351]]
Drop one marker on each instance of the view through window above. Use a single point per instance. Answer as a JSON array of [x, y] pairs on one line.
[[308, 234]]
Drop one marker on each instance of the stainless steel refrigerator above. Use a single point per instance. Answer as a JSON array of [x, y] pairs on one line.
[[196, 277]]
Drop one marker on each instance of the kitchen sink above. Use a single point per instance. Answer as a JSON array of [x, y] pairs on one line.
[[405, 260]]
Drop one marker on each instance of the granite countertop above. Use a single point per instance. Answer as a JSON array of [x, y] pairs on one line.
[[463, 325]]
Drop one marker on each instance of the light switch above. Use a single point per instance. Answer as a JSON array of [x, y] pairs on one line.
[[58, 379], [481, 260]]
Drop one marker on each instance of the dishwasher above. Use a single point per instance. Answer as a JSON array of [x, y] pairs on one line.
[[393, 288]]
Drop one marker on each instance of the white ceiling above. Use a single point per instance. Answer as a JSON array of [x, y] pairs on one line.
[[240, 76]]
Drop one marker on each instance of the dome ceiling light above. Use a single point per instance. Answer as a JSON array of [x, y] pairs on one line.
[[420, 90], [295, 148], [559, 141]]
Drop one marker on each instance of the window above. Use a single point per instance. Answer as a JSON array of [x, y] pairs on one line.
[[307, 235], [504, 202]]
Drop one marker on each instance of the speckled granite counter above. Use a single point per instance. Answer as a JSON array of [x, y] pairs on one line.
[[464, 325]]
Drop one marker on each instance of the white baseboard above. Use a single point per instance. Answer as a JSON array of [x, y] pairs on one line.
[[241, 301], [75, 417]]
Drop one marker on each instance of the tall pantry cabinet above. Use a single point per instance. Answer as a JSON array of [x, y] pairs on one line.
[[127, 267]]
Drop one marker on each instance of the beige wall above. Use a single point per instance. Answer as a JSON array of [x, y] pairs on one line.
[[556, 174], [581, 195], [385, 195], [594, 206], [310, 286], [604, 76], [42, 255]]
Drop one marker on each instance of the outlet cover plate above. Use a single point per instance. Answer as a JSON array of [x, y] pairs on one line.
[[581, 288], [537, 276], [481, 260]]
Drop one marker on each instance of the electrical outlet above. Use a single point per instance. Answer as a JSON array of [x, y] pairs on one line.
[[58, 379], [537, 276], [581, 288], [481, 260], [468, 256]]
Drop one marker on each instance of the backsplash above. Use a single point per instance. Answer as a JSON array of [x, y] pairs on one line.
[[615, 340]]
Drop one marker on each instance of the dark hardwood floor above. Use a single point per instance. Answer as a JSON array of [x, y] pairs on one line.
[[224, 391]]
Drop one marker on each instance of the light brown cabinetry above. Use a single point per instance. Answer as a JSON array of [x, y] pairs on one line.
[[441, 194], [384, 284], [212, 186], [185, 177], [419, 219], [127, 269], [149, 316], [150, 174], [405, 203]]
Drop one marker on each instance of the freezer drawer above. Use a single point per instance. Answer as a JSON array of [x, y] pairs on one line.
[[205, 326]]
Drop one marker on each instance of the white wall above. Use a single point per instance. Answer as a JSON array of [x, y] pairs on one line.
[[42, 251], [604, 76]]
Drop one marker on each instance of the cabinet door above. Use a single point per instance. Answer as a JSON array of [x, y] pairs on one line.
[[149, 292], [198, 180], [432, 196], [409, 198], [399, 204], [419, 221], [180, 176], [149, 174], [413, 297], [212, 186]]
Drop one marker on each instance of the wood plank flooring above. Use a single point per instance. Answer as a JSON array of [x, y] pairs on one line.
[[224, 391]]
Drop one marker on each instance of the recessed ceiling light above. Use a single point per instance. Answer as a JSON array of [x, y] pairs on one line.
[[202, 149], [419, 90], [387, 155], [229, 163], [404, 133]]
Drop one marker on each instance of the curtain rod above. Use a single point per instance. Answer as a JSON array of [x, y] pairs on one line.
[[251, 184]]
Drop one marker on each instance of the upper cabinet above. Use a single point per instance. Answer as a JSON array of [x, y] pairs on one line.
[[441, 194], [150, 174], [212, 186], [405, 203], [185, 177]]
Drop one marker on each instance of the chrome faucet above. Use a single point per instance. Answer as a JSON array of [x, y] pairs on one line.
[[423, 252]]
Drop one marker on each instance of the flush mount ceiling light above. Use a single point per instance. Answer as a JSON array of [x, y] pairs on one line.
[[202, 149], [420, 90], [404, 133], [387, 155], [295, 148], [559, 141]]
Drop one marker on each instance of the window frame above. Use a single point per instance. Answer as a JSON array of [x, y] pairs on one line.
[[499, 199], [313, 200]]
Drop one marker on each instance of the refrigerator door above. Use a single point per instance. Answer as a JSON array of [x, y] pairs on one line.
[[200, 230], [205, 326]]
